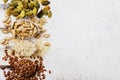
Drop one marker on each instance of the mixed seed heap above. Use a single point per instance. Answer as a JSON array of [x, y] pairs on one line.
[[23, 50]]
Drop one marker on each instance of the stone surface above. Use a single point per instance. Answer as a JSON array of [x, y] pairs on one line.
[[85, 38]]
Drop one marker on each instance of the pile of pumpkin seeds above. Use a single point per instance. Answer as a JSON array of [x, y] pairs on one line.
[[27, 8], [28, 25]]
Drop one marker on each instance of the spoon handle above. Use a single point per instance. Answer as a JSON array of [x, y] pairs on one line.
[[5, 66]]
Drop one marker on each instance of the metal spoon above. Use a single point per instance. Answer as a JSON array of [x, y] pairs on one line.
[[27, 75]]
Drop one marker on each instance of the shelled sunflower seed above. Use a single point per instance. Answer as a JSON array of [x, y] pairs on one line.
[[24, 28], [7, 22]]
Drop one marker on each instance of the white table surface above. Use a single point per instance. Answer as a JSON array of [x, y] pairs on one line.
[[85, 38]]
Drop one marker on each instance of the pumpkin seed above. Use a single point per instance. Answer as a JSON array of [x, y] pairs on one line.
[[45, 12], [21, 15], [5, 1], [34, 11], [30, 5], [47, 8], [45, 3], [49, 14], [40, 14], [29, 13], [26, 1], [30, 8], [14, 3], [17, 10], [25, 4], [20, 4]]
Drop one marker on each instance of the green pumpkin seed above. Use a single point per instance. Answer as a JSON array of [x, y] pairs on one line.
[[20, 4], [45, 3], [27, 10], [49, 14], [25, 4], [26, 1], [14, 3], [37, 4], [24, 8], [30, 5], [17, 10], [33, 3], [47, 7], [34, 11], [21, 15], [5, 1], [45, 12], [29, 13], [8, 11]]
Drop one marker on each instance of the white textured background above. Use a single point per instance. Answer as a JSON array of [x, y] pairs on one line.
[[85, 37]]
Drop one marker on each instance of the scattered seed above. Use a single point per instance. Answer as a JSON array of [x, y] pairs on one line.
[[49, 14], [46, 35], [5, 31], [45, 3], [47, 44], [47, 8], [5, 1]]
